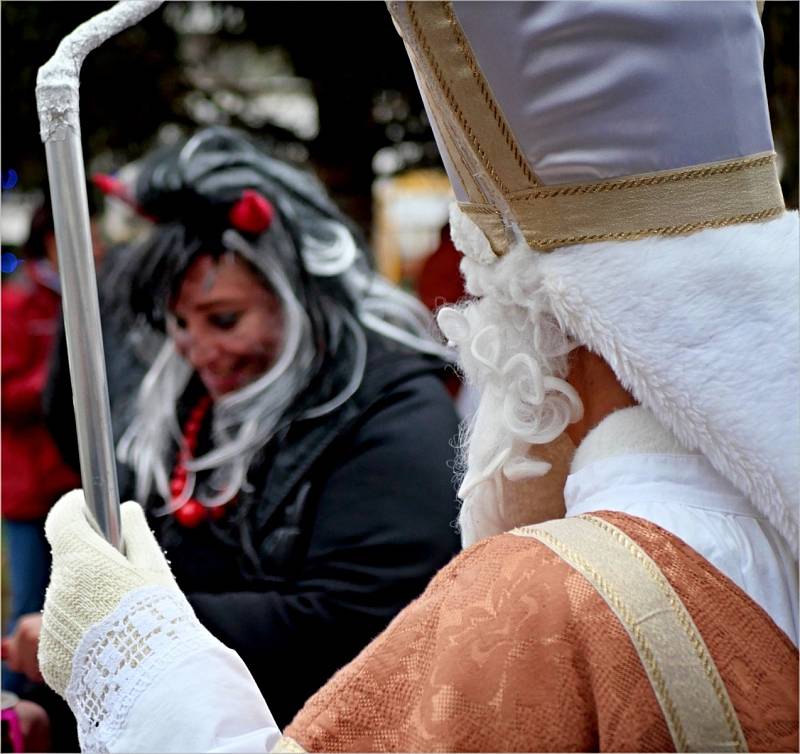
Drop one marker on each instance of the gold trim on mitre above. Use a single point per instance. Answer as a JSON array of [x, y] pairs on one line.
[[503, 189], [461, 84], [669, 202]]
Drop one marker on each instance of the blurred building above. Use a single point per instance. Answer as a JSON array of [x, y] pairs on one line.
[[409, 213]]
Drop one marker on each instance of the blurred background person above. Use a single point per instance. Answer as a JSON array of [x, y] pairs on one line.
[[292, 434], [34, 473]]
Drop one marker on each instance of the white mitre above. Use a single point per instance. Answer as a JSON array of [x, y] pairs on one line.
[[626, 147]]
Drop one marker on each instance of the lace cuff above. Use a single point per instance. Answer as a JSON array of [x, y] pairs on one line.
[[151, 631]]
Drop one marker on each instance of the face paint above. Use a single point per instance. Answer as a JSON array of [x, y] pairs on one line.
[[226, 323]]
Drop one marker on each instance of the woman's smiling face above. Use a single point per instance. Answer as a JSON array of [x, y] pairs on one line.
[[226, 323]]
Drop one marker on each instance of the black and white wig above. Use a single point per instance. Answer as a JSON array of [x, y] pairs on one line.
[[311, 257]]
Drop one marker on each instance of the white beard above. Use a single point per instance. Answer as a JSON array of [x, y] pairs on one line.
[[499, 504]]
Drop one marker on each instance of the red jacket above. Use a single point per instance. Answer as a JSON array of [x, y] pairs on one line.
[[33, 474]]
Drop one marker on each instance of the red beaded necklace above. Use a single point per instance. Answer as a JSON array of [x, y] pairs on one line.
[[192, 513]]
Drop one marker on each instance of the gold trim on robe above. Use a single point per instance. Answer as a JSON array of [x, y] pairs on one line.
[[510, 648], [683, 675]]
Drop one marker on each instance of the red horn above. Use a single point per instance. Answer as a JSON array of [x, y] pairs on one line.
[[252, 213], [112, 186]]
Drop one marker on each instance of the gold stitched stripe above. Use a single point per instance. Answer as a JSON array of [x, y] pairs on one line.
[[683, 675], [490, 221], [453, 151], [468, 96], [650, 179], [671, 202], [459, 158]]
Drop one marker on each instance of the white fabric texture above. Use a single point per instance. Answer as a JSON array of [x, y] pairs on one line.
[[631, 464], [123, 646], [703, 330], [89, 577], [630, 430], [150, 678]]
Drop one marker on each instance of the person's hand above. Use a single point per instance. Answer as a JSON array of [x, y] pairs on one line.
[[34, 725], [19, 649], [90, 577]]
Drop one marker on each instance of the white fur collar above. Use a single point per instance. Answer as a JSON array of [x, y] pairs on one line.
[[703, 330]]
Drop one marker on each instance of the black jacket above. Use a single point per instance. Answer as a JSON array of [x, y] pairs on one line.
[[348, 518]]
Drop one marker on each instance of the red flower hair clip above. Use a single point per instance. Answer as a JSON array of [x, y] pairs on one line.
[[252, 213]]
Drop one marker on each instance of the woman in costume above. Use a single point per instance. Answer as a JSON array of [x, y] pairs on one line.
[[291, 437]]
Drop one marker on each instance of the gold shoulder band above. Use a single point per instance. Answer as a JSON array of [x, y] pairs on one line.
[[683, 675]]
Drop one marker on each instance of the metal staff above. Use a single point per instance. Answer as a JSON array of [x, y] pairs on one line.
[[57, 103]]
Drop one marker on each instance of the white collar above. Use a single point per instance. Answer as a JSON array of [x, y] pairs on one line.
[[630, 459], [655, 479]]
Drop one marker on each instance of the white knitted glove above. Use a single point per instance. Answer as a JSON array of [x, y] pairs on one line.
[[89, 578]]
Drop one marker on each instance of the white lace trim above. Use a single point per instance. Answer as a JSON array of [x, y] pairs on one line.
[[150, 631]]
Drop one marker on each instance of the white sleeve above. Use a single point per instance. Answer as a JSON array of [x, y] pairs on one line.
[[150, 678]]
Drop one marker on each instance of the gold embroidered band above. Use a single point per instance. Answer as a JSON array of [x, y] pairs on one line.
[[683, 675], [445, 51], [665, 203], [502, 187], [458, 158]]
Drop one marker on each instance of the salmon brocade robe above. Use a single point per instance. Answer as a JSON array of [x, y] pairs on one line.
[[512, 649]]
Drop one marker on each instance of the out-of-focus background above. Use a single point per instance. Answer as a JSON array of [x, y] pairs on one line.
[[328, 83]]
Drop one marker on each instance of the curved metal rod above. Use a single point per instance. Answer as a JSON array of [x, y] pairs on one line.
[[57, 103]]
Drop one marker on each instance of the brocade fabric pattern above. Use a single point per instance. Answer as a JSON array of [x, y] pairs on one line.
[[509, 649]]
